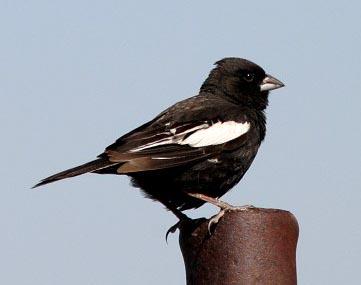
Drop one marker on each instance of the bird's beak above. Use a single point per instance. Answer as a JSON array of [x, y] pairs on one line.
[[270, 83]]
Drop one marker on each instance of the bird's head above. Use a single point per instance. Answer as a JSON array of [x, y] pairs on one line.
[[242, 81]]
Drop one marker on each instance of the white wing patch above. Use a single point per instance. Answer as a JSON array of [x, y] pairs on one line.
[[173, 138], [203, 135], [217, 134]]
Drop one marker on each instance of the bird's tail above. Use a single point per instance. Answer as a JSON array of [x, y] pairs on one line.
[[78, 170]]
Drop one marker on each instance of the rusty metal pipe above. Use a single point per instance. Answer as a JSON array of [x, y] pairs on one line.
[[257, 246]]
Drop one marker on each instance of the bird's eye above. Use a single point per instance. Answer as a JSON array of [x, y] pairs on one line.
[[248, 77]]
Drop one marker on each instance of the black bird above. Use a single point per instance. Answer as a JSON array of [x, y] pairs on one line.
[[198, 149]]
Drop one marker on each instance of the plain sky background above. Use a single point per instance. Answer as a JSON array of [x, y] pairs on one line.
[[75, 75]]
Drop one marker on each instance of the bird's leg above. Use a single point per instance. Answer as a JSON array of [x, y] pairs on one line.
[[225, 207], [182, 218], [177, 213]]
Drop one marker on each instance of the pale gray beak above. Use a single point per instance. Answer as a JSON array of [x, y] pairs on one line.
[[270, 83]]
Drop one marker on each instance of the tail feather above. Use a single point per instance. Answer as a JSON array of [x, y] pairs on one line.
[[78, 170]]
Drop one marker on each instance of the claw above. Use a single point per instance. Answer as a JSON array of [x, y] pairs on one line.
[[215, 219], [172, 230], [177, 226]]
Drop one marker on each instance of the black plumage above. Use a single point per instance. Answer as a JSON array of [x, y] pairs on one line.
[[204, 144]]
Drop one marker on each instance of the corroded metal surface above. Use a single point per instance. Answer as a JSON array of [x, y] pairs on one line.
[[257, 246]]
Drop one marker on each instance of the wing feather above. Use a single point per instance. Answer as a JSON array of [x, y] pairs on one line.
[[185, 133]]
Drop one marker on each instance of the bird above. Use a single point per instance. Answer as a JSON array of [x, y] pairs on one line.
[[198, 149]]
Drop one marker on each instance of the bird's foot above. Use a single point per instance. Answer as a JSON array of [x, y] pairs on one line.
[[172, 230], [176, 226], [215, 219], [225, 207]]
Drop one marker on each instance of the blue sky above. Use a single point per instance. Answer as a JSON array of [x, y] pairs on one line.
[[75, 75]]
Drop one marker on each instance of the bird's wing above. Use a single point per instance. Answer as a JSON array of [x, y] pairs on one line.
[[189, 131]]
